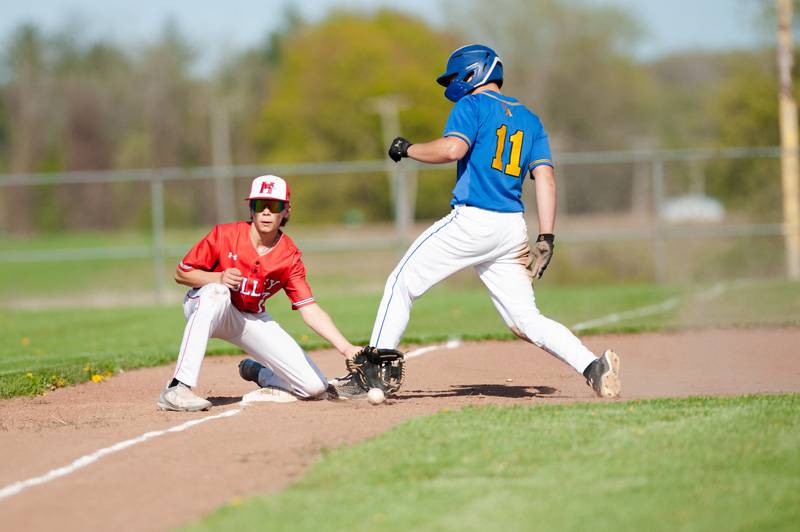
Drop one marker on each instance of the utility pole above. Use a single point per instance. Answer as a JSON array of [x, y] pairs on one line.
[[221, 160], [403, 183], [790, 169]]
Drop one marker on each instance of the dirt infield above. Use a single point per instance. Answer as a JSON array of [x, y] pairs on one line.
[[177, 477]]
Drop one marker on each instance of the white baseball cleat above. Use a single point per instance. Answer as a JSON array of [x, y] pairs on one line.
[[181, 398], [603, 375], [270, 395]]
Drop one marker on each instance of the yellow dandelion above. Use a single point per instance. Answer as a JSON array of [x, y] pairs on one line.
[[98, 378], [57, 381], [235, 501], [29, 375], [25, 341]]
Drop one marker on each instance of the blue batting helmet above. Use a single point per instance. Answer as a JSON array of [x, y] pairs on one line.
[[468, 68]]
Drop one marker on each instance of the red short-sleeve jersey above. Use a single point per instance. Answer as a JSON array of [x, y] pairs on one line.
[[229, 246]]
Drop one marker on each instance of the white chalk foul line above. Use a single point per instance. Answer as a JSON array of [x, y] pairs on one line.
[[450, 344], [650, 310], [86, 460]]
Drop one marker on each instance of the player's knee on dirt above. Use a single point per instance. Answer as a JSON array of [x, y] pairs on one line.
[[312, 390]]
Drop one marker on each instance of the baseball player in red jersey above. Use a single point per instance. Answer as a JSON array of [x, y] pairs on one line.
[[232, 271]]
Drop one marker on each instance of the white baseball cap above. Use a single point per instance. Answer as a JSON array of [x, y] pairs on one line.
[[269, 187]]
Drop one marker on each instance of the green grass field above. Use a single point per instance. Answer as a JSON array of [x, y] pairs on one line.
[[45, 349], [688, 464], [692, 464]]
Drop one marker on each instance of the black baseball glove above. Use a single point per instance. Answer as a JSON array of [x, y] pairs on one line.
[[377, 368]]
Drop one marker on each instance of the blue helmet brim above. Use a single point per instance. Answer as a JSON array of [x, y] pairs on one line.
[[445, 79]]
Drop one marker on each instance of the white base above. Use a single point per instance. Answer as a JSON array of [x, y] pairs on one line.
[[268, 395]]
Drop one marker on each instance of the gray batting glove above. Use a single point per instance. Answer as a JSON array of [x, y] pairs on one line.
[[542, 253]]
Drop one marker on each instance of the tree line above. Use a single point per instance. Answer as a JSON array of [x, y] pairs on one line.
[[68, 102]]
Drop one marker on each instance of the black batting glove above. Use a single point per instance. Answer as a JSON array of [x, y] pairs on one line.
[[399, 149]]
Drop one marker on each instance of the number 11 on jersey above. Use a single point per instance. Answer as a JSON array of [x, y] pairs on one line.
[[512, 168]]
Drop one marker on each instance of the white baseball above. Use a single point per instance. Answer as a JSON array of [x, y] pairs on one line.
[[375, 396]]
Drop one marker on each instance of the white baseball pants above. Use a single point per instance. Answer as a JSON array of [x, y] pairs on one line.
[[210, 314], [496, 245]]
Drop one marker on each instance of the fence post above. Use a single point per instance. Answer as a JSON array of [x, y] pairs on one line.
[[562, 189], [222, 161], [157, 213], [388, 108], [790, 166], [402, 206], [411, 179], [659, 236]]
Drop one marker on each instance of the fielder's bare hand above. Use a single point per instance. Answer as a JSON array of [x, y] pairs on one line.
[[232, 278], [542, 253], [351, 351]]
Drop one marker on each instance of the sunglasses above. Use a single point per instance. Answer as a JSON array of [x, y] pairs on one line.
[[274, 206]]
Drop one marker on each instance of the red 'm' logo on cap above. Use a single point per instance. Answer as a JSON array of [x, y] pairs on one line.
[[267, 186]]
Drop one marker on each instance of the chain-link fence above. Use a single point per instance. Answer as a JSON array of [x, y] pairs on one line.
[[666, 216]]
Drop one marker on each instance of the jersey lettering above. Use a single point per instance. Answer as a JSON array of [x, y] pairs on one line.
[[243, 287], [255, 287]]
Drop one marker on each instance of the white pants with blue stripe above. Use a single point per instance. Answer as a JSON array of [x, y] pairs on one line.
[[496, 245]]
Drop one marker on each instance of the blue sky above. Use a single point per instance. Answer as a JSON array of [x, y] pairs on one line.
[[674, 25], [219, 26]]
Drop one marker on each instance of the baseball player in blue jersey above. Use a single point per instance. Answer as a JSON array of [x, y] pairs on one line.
[[497, 142]]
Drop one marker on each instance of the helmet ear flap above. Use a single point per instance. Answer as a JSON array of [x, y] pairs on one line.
[[457, 90]]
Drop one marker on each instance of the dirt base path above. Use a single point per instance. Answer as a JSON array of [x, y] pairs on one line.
[[177, 477]]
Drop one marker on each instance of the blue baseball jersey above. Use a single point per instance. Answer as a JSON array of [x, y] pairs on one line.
[[506, 141]]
